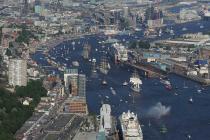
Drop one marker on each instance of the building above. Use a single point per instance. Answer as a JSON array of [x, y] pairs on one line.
[[187, 14], [76, 105], [75, 86], [75, 83], [106, 119], [17, 72], [154, 17]]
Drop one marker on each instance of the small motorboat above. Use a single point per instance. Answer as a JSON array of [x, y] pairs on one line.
[[113, 91], [199, 90], [104, 82], [191, 100], [125, 83]]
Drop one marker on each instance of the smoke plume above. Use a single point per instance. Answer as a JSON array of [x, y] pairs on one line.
[[158, 111]]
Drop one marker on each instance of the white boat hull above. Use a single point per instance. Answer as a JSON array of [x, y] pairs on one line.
[[103, 71], [135, 89]]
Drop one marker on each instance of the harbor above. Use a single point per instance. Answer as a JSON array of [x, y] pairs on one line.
[[124, 99]]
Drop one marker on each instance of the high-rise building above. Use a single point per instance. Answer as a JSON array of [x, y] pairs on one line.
[[75, 86], [17, 72], [75, 83]]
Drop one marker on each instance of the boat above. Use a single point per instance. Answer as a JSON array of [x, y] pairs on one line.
[[201, 27], [166, 83], [160, 33], [86, 51], [107, 97], [125, 83], [199, 90], [104, 65], [75, 63], [149, 124], [172, 32], [190, 100], [131, 128], [185, 85], [135, 82], [93, 68], [119, 53], [104, 82], [113, 91], [163, 129], [184, 29]]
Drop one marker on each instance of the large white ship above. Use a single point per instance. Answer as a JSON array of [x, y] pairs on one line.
[[135, 82], [119, 52], [131, 128]]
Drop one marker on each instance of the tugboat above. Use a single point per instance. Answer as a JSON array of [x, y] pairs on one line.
[[135, 82]]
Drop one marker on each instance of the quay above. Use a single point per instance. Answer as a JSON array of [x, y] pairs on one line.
[[181, 70]]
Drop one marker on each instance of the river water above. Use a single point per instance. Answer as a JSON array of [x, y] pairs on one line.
[[155, 106]]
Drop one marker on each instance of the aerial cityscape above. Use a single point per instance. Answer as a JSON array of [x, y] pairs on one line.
[[104, 69]]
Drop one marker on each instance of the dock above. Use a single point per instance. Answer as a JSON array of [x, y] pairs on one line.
[[202, 81]]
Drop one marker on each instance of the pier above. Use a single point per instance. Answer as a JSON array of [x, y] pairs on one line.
[[149, 70]]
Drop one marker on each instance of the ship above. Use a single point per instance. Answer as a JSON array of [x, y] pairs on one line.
[[135, 82], [86, 51], [104, 65], [131, 128], [119, 53]]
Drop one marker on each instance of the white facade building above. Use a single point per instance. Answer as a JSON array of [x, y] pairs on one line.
[[106, 119], [17, 72]]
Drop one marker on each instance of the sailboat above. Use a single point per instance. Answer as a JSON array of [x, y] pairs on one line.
[[104, 66], [185, 86], [160, 33], [86, 51], [135, 82]]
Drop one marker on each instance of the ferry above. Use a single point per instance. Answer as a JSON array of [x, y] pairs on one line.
[[131, 128]]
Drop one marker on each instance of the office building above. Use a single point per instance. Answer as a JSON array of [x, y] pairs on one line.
[[17, 72], [75, 86], [75, 83]]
